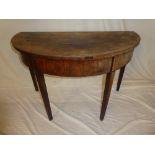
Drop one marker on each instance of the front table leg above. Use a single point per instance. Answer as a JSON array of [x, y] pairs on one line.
[[32, 72], [107, 90], [43, 90]]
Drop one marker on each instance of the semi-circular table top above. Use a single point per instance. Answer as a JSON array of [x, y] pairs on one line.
[[75, 45]]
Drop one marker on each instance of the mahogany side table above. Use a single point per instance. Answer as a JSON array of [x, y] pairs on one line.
[[75, 54]]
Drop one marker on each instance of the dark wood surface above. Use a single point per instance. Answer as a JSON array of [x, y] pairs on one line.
[[75, 45], [75, 54]]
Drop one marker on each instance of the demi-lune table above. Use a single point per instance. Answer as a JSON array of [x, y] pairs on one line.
[[75, 54]]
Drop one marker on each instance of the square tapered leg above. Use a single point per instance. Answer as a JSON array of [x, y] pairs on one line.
[[107, 91], [33, 76], [121, 73], [43, 90]]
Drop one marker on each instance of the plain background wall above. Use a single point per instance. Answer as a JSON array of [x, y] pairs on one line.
[[14, 74]]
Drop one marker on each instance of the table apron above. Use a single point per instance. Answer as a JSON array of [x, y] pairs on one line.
[[78, 68], [121, 60], [71, 68]]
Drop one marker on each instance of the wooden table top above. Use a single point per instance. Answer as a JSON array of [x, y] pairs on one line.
[[75, 45]]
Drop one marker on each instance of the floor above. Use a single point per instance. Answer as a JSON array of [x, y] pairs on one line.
[[76, 109]]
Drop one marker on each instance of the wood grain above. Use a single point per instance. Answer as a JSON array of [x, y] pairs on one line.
[[121, 60], [71, 68], [75, 45]]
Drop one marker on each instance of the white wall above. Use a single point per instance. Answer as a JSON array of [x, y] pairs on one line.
[[142, 65]]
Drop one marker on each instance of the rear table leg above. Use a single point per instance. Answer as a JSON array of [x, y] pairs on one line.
[[121, 73]]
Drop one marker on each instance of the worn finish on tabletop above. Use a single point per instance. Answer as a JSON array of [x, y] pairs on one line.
[[75, 54]]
